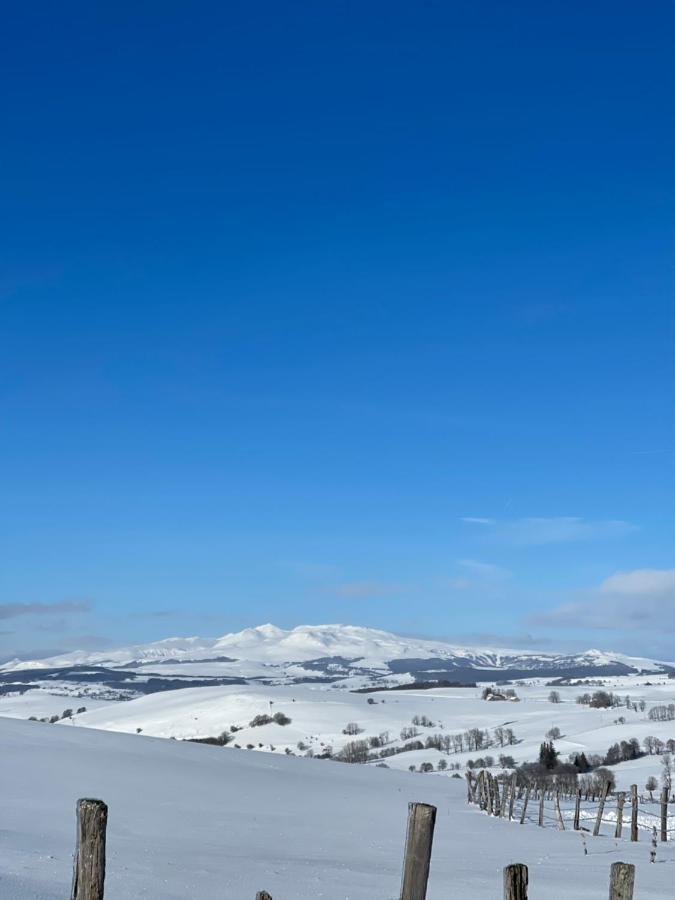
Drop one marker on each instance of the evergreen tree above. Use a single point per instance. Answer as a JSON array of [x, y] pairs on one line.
[[548, 755]]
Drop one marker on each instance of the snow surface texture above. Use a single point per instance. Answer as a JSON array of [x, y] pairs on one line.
[[190, 821]]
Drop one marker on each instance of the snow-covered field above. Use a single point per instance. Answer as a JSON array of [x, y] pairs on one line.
[[319, 716], [191, 821]]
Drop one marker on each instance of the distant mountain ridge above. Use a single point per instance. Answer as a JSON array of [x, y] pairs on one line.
[[334, 653]]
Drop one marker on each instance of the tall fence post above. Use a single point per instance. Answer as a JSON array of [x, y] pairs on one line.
[[524, 810], [514, 786], [418, 841], [601, 809], [633, 812], [621, 881], [541, 809], [664, 814], [89, 864], [515, 882], [561, 823], [577, 810], [498, 804], [620, 800], [505, 797]]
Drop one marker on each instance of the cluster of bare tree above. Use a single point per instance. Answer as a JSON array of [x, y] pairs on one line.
[[662, 713]]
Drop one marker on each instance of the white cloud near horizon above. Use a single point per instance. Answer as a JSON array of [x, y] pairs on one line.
[[532, 531], [642, 599]]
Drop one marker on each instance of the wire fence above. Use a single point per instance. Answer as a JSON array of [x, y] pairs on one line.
[[619, 813]]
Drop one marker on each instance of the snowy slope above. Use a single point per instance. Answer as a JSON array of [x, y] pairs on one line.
[[188, 821]]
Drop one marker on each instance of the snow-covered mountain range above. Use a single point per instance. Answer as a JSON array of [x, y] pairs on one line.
[[350, 655]]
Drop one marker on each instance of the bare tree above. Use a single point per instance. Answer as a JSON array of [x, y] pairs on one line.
[[651, 785], [554, 697], [352, 728]]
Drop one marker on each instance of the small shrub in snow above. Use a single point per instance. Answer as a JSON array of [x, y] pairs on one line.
[[263, 719], [281, 719]]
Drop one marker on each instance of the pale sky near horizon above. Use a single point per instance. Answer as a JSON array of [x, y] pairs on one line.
[[338, 312]]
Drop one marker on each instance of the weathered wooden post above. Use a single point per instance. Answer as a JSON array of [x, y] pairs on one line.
[[482, 791], [505, 797], [514, 787], [577, 810], [418, 841], [633, 813], [263, 895], [561, 823], [498, 805], [621, 881], [664, 814], [89, 863], [601, 809], [515, 882], [541, 808], [620, 800], [524, 811]]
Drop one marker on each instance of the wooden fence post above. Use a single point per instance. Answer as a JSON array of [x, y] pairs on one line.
[[601, 809], [561, 823], [498, 805], [505, 797], [482, 791], [514, 786], [418, 841], [577, 810], [633, 813], [664, 814], [515, 882], [620, 800], [621, 881], [527, 797], [541, 809], [89, 864]]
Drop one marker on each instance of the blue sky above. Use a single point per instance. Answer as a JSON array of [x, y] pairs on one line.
[[337, 312]]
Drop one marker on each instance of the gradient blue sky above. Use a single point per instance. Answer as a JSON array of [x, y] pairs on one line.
[[291, 293]]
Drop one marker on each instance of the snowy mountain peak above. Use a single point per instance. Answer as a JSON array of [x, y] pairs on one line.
[[352, 646]]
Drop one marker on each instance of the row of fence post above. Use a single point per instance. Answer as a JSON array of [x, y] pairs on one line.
[[89, 863], [484, 790]]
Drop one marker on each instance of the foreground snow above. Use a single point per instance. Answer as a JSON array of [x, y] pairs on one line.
[[190, 821]]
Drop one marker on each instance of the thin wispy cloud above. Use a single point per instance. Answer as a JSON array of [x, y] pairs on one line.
[[486, 570], [365, 589], [535, 531], [14, 610]]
